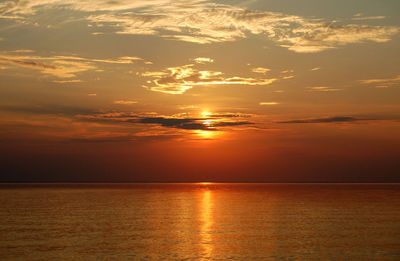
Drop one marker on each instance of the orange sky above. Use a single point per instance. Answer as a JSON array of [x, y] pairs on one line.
[[198, 90]]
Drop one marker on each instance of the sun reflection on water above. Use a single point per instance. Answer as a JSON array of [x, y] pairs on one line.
[[207, 222]]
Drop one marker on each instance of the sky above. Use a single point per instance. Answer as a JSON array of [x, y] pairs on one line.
[[200, 91]]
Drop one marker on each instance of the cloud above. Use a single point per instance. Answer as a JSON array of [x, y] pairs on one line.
[[10, 9], [228, 115], [359, 18], [203, 60], [261, 70], [23, 51], [177, 80], [120, 60], [68, 81], [205, 22], [192, 123], [383, 82], [187, 124], [63, 67], [288, 77], [125, 102], [319, 37], [316, 69], [268, 103], [53, 66], [211, 123], [322, 89], [227, 124], [326, 120], [25, 63]]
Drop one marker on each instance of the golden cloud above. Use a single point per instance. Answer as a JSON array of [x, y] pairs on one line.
[[177, 80]]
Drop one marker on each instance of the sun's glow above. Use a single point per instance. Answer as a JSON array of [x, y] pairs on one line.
[[208, 123], [204, 134], [205, 113]]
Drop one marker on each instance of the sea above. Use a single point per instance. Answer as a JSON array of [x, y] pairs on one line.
[[199, 221]]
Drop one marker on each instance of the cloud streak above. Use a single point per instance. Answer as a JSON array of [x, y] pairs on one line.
[[383, 82], [323, 89], [326, 120], [268, 103], [125, 102], [203, 60]]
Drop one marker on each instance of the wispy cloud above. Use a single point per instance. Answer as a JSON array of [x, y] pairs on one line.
[[322, 89], [49, 65], [345, 119], [261, 70], [321, 36], [177, 80], [125, 102], [64, 67], [326, 120], [23, 51], [383, 82], [363, 18], [68, 81], [203, 60], [204, 22]]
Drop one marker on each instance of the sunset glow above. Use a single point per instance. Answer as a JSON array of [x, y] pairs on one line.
[[205, 114], [193, 90]]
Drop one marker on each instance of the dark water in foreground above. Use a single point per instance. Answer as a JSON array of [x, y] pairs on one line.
[[200, 222]]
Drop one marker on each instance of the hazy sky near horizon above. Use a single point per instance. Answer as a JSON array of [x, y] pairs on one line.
[[195, 90]]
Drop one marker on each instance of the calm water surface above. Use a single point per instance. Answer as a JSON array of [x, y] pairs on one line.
[[200, 222]]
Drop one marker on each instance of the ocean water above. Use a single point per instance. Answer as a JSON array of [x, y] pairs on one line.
[[200, 222]]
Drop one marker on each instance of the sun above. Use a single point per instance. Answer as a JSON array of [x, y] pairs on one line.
[[206, 113]]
